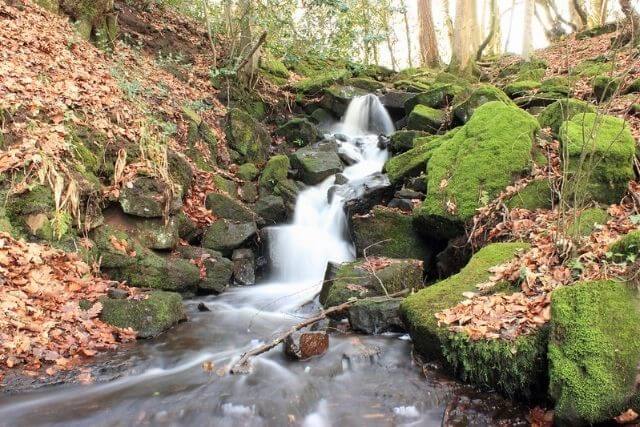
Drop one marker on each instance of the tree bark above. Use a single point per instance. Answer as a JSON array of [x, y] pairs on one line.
[[578, 13], [407, 31], [633, 20], [463, 49], [428, 43], [447, 21], [493, 30], [527, 36]]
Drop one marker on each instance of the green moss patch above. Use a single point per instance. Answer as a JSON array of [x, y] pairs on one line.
[[470, 99], [560, 111], [426, 119], [536, 195], [628, 247], [316, 84], [587, 221]]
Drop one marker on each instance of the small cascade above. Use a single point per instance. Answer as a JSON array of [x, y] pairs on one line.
[[366, 114]]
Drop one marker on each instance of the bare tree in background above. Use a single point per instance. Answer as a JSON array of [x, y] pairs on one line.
[[464, 49], [429, 53], [633, 21], [598, 13], [407, 30], [578, 14], [493, 38], [527, 32], [447, 20]]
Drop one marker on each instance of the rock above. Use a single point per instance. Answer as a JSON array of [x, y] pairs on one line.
[[187, 229], [587, 221], [30, 212], [152, 233], [538, 100], [225, 236], [404, 205], [365, 83], [246, 136], [626, 248], [403, 140], [147, 197], [341, 179], [394, 232], [414, 162], [395, 100], [355, 280], [248, 192], [315, 165], [361, 195], [218, 270], [149, 317], [487, 153], [593, 67], [117, 293], [594, 351], [202, 307], [348, 154], [604, 87], [248, 172], [272, 209], [180, 171], [438, 96], [275, 173], [559, 85], [376, 315], [521, 88], [633, 87], [305, 345], [320, 81], [299, 132], [243, 267], [516, 368], [407, 193], [225, 185], [467, 101], [223, 206], [322, 116], [453, 257], [607, 144], [560, 111], [426, 119], [337, 98], [199, 135], [536, 195], [418, 183]]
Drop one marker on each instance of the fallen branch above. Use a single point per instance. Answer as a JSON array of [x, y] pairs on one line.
[[242, 366], [260, 42]]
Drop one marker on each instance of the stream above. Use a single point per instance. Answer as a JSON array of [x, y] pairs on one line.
[[176, 379]]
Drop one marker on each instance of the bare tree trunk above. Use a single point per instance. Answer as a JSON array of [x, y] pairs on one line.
[[428, 42], [447, 21], [463, 48], [633, 20], [598, 13], [579, 15], [527, 36], [405, 17], [493, 30], [512, 10]]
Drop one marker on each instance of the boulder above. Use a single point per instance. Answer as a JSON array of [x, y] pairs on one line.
[[403, 140], [396, 99], [316, 164], [223, 206], [361, 195], [180, 171], [394, 232], [414, 161], [148, 197], [536, 195], [217, 269], [521, 88], [225, 236], [152, 233], [337, 98], [321, 116], [467, 101], [626, 248], [248, 192], [365, 83], [299, 132], [594, 351], [356, 280], [426, 119], [560, 111], [604, 87], [272, 209], [275, 174], [320, 81], [246, 136], [248, 172], [473, 166], [148, 317], [305, 345], [439, 95], [376, 315], [244, 266], [605, 146]]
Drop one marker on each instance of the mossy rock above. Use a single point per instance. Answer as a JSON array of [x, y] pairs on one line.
[[316, 164], [604, 87], [316, 84], [626, 248], [275, 173], [418, 310], [224, 206], [152, 233], [473, 166], [271, 208], [523, 69], [600, 151], [274, 68], [412, 86], [338, 97], [355, 280], [146, 197], [412, 163], [148, 317], [219, 270], [299, 132], [374, 71], [521, 88], [536, 195], [394, 232], [321, 116], [365, 83], [587, 221], [248, 172], [180, 171], [376, 315], [402, 140], [560, 111], [34, 213], [560, 85], [224, 236], [426, 119], [594, 351], [226, 185], [592, 68], [439, 95], [633, 87], [246, 136], [471, 98]]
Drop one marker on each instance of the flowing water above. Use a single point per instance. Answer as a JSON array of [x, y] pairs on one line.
[[361, 380]]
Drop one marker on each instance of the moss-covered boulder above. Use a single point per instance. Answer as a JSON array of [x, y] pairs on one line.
[[224, 206], [413, 163], [592, 68], [180, 171], [604, 87], [337, 98], [587, 221], [200, 135], [321, 116], [626, 248], [594, 351], [148, 317], [149, 197], [321, 80], [246, 136], [559, 85], [536, 195], [376, 315], [426, 119], [316, 164], [467, 101], [393, 230], [356, 280], [521, 88], [274, 70], [473, 166], [33, 213], [600, 151], [365, 83], [218, 270], [560, 111], [152, 233], [224, 236], [248, 172], [439, 95], [402, 140], [299, 132], [633, 87]]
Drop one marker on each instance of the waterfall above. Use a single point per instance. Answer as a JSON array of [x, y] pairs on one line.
[[300, 251]]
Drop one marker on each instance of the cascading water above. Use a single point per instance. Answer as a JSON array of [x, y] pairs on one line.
[[162, 382]]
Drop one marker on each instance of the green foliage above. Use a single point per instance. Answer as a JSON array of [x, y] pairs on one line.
[[592, 68], [627, 248], [593, 351], [586, 221]]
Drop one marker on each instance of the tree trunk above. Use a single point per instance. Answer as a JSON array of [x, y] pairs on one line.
[[579, 16], [428, 42], [494, 31], [633, 20], [527, 36], [405, 17], [598, 13], [463, 47], [447, 21]]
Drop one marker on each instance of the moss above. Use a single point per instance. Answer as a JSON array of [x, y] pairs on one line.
[[149, 317], [415, 86], [33, 213], [560, 111], [536, 195], [224, 206], [633, 87], [467, 101], [560, 85], [521, 88], [470, 169], [247, 136], [426, 119], [248, 172], [365, 83], [299, 132], [225, 185], [402, 140], [592, 68], [314, 85], [393, 229], [414, 162], [594, 351], [600, 151], [523, 69], [418, 310], [438, 95], [604, 87], [627, 247], [275, 173], [274, 67], [586, 222]]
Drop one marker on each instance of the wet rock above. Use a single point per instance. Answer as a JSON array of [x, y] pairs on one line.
[[322, 116], [315, 165], [304, 345], [453, 258], [341, 179], [394, 100], [407, 193], [148, 197], [246, 136], [225, 236], [299, 132], [148, 317], [362, 195], [202, 307], [218, 269], [272, 209], [337, 98], [376, 315], [223, 206], [243, 267], [418, 183], [348, 155]]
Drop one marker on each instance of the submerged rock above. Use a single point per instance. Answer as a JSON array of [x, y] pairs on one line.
[[305, 345], [376, 315]]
